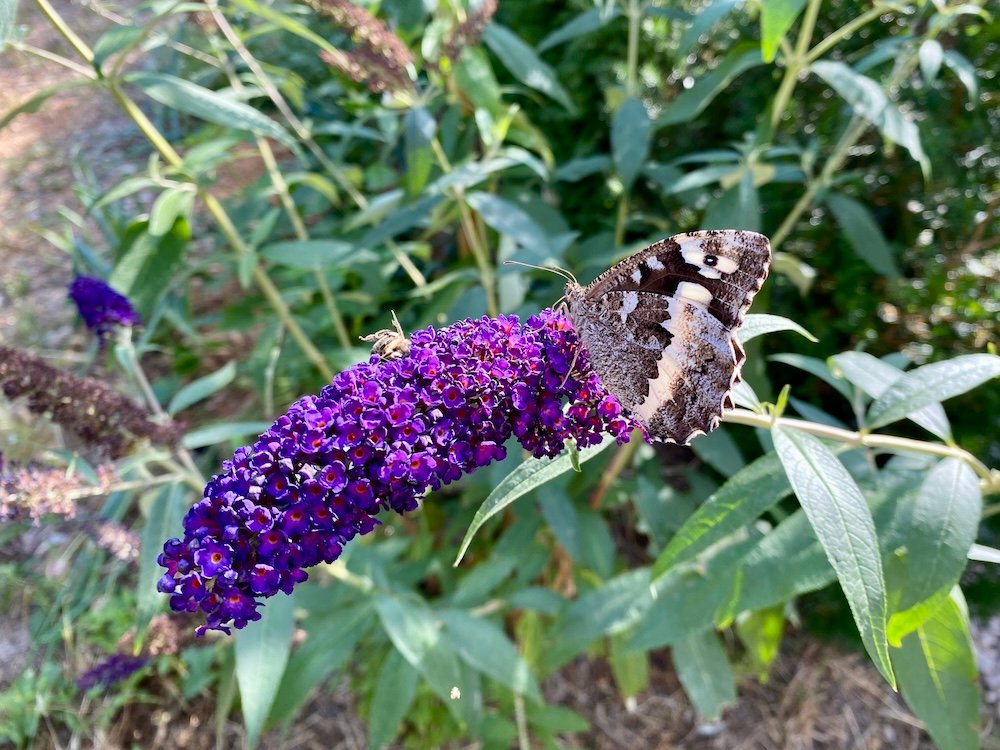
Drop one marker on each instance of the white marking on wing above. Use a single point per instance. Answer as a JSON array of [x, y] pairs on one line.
[[629, 302], [694, 293], [653, 262], [637, 275]]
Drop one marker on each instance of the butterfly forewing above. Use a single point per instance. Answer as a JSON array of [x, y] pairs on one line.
[[660, 326]]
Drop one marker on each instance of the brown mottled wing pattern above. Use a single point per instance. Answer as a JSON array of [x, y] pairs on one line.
[[660, 326]]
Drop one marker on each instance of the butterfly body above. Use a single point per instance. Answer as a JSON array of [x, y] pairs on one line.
[[660, 327]]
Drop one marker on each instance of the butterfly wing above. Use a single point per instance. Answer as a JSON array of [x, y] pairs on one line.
[[660, 326]]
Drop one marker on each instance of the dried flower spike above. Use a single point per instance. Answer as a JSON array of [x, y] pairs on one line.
[[379, 437], [378, 58], [101, 307], [93, 410], [114, 669]]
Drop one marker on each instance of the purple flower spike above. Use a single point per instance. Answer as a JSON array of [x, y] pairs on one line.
[[112, 670], [378, 438], [101, 307]]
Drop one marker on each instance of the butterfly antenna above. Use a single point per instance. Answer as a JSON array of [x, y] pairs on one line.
[[551, 269]]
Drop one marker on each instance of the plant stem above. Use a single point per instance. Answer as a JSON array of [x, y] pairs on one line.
[[990, 477], [298, 226], [842, 33], [64, 29], [795, 63], [480, 251], [632, 54], [53, 57], [302, 132], [126, 346]]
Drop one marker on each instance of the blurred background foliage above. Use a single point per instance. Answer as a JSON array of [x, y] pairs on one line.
[[314, 166]]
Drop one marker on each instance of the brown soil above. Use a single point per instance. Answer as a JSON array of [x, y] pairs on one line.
[[819, 696]]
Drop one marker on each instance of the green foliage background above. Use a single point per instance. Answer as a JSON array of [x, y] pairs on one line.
[[861, 138]]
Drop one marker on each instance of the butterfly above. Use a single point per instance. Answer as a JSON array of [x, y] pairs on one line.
[[660, 327]]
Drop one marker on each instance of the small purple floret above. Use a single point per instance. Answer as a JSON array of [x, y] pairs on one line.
[[377, 438], [101, 307]]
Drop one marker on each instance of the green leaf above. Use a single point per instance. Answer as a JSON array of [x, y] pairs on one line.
[[869, 101], [701, 24], [209, 105], [524, 64], [761, 632], [332, 642], [310, 254], [526, 477], [630, 668], [690, 104], [410, 625], [475, 78], [213, 434], [146, 261], [285, 22], [630, 133], [843, 524], [615, 606], [735, 505], [395, 689], [932, 384], [418, 132], [34, 102], [759, 324], [943, 525], [874, 376], [931, 56], [576, 169], [114, 40], [172, 203], [817, 367], [164, 522], [938, 676], [965, 71], [8, 14], [864, 235], [261, 651], [693, 597], [720, 451], [485, 647], [776, 18], [509, 219], [202, 388], [705, 673], [585, 23]]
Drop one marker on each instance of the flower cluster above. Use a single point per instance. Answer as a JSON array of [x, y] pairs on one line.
[[27, 493], [378, 58], [379, 437], [93, 410], [470, 31], [112, 670], [101, 307]]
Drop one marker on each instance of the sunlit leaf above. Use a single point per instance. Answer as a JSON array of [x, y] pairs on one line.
[[869, 101], [522, 61], [843, 523], [776, 18]]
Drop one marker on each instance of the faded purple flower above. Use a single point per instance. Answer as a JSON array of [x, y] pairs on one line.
[[379, 437], [101, 307], [110, 671]]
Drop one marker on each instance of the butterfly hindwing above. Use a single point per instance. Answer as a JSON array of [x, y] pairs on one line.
[[660, 326]]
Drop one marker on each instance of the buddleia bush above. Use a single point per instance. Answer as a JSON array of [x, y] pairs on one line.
[[471, 508]]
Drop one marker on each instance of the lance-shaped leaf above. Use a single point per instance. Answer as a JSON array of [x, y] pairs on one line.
[[932, 384], [705, 672], [526, 477], [864, 235], [630, 133], [524, 64], [938, 676], [874, 376], [869, 101], [843, 524]]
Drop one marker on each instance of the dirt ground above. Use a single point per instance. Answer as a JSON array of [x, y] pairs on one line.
[[819, 696]]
